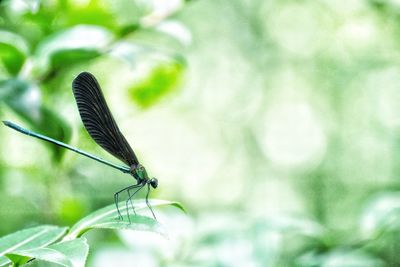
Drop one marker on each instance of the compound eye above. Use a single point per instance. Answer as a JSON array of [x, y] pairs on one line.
[[154, 182]]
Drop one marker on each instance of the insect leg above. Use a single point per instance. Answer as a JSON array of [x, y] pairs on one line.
[[116, 197], [147, 202], [130, 199]]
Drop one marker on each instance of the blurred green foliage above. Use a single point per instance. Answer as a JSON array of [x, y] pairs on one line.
[[162, 80], [276, 123]]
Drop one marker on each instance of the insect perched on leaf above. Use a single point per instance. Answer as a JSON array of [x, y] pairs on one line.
[[101, 126]]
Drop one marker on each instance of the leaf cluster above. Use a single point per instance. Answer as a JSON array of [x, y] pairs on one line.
[[66, 246]]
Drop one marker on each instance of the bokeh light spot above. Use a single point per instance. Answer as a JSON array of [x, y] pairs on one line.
[[293, 135]]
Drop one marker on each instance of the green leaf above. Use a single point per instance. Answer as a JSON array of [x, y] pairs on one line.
[[76, 250], [13, 51], [177, 31], [128, 12], [23, 98], [67, 253], [94, 13], [73, 45], [162, 80], [381, 214], [64, 58], [353, 258], [159, 12], [36, 237], [107, 218], [128, 52], [169, 35]]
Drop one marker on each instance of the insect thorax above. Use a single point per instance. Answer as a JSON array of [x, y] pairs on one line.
[[139, 173]]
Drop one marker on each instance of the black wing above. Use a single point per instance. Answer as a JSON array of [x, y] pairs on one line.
[[98, 120]]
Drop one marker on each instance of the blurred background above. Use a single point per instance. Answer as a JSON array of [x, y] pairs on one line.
[[275, 123]]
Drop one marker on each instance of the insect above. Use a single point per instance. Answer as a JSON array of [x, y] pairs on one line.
[[101, 126]]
